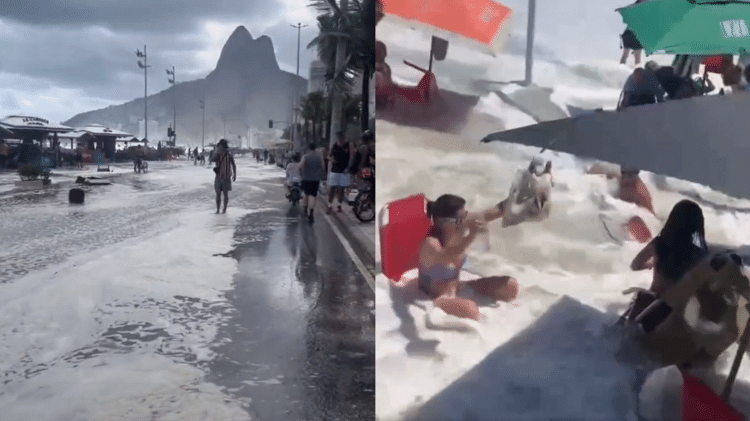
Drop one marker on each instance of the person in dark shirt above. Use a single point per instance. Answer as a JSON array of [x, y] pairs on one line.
[[673, 84], [642, 87]]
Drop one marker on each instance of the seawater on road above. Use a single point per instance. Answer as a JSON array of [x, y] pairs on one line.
[[301, 343], [143, 298]]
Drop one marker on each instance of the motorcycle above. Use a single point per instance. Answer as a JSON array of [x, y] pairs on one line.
[[363, 205], [295, 194]]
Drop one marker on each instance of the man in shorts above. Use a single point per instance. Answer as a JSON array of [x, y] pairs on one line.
[[339, 179], [226, 172], [312, 171]]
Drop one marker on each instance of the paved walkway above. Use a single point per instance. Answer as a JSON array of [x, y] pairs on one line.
[[361, 235]]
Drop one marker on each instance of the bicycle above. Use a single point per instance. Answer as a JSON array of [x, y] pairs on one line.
[[363, 205]]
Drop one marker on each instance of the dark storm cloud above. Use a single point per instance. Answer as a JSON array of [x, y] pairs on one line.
[[134, 15], [88, 46], [90, 58]]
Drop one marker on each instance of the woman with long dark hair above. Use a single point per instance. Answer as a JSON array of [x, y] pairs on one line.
[[443, 254], [677, 248]]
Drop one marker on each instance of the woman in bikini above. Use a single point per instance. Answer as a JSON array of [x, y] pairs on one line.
[[680, 245], [443, 254]]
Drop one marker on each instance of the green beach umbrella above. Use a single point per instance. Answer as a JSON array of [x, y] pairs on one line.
[[696, 27]]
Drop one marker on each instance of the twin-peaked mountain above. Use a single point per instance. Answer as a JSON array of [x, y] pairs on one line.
[[246, 89]]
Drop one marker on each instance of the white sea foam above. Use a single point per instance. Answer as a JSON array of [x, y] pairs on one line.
[[508, 368], [116, 333]]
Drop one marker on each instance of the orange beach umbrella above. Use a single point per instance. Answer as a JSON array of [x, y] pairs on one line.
[[483, 21]]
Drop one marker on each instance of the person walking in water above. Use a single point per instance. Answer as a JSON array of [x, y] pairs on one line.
[[226, 172], [630, 43], [341, 156], [312, 171], [4, 154]]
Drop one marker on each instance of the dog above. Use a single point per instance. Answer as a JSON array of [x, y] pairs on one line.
[[530, 195]]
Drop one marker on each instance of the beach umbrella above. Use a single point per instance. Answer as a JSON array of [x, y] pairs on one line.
[[697, 27], [482, 21]]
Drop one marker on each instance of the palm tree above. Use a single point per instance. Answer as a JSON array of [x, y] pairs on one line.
[[314, 110], [356, 24]]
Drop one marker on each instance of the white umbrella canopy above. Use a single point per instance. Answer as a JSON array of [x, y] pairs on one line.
[[99, 130], [20, 123]]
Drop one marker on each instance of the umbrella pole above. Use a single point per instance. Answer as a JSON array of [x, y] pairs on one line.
[[429, 68], [530, 41], [737, 360]]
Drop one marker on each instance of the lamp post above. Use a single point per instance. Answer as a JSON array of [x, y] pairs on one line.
[[299, 27], [174, 105], [203, 130], [145, 67]]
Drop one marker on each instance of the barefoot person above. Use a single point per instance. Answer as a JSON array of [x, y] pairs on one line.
[[443, 254], [226, 172]]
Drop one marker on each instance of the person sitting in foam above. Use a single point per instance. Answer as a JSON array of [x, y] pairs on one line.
[[702, 287], [443, 254]]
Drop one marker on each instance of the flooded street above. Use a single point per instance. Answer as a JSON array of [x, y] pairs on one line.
[[142, 303]]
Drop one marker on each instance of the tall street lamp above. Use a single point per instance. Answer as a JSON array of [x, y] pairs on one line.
[[174, 105], [299, 27], [145, 67], [203, 131]]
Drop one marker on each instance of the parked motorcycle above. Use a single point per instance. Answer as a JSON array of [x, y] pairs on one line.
[[295, 194], [363, 205]]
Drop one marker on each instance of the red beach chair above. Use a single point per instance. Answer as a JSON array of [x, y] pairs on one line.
[[403, 226], [699, 403]]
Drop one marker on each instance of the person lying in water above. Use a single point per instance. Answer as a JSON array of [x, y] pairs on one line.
[[443, 254], [631, 188]]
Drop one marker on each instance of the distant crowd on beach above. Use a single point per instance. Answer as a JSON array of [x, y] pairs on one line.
[[654, 83]]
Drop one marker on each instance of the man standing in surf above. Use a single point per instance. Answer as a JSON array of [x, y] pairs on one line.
[[226, 172]]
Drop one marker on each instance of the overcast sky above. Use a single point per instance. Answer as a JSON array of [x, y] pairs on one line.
[[63, 57]]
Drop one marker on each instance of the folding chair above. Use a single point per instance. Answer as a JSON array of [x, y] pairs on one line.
[[404, 224], [667, 332]]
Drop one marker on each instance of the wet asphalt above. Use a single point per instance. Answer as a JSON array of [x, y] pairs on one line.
[[300, 342]]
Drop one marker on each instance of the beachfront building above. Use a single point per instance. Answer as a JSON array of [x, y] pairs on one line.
[[27, 131], [103, 139], [317, 80]]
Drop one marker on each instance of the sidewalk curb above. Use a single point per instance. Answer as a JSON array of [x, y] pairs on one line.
[[355, 248]]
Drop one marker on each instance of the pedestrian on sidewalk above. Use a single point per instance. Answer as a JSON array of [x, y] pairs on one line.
[[341, 157], [226, 172], [312, 171], [79, 157], [361, 157], [4, 153]]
